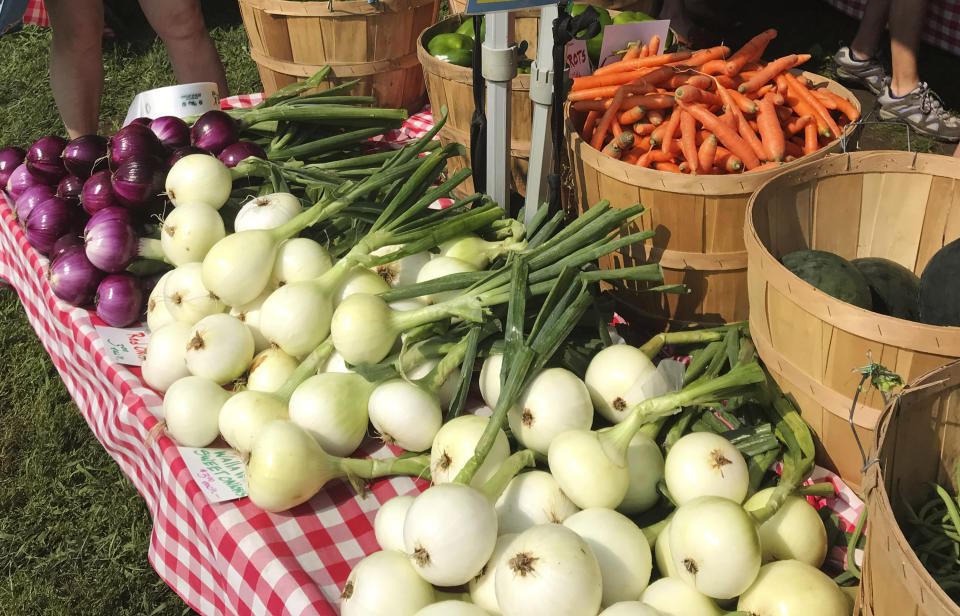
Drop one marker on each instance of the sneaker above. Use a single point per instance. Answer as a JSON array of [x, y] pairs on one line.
[[923, 110], [869, 73]]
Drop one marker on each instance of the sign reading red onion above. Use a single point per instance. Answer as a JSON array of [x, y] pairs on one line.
[[48, 222], [214, 131], [73, 278], [97, 192], [111, 244], [172, 132], [119, 300], [20, 180], [133, 142], [30, 198], [10, 159], [137, 181], [84, 155], [234, 153]]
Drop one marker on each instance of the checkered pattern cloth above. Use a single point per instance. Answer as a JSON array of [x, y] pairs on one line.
[[942, 21], [36, 14]]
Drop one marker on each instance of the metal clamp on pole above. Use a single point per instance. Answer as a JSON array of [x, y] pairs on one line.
[[499, 64]]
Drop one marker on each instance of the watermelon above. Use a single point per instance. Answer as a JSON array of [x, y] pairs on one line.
[[832, 274], [939, 291], [895, 290]]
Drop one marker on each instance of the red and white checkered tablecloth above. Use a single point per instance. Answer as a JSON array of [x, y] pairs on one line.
[[942, 21], [36, 14]]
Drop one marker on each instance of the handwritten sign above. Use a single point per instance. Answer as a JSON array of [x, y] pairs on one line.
[[124, 345], [616, 37], [577, 59], [219, 472], [490, 6]]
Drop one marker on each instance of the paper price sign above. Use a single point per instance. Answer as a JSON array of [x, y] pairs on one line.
[[577, 59], [126, 346], [617, 37], [219, 472]]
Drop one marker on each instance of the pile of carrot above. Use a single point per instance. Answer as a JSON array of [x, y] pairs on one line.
[[708, 111]]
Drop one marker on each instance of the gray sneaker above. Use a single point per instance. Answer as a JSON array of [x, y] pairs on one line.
[[923, 110], [869, 73]]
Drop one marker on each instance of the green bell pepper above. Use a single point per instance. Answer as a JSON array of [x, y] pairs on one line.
[[453, 48], [629, 17], [467, 27]]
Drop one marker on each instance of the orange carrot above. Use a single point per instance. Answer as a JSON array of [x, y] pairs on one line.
[[655, 116], [592, 93], [654, 156], [654, 44], [713, 67], [810, 142], [705, 55], [608, 118], [828, 102], [698, 81], [791, 148], [613, 150], [764, 90], [730, 139], [619, 145], [771, 135], [643, 144], [616, 129], [632, 65], [768, 72], [688, 143], [632, 115], [784, 114], [672, 125], [672, 167], [630, 157], [738, 122], [730, 119], [727, 161], [841, 104], [795, 125], [633, 51], [692, 94], [804, 94], [751, 51], [727, 82], [745, 104], [707, 152], [589, 124], [643, 129], [773, 164], [592, 82], [656, 137], [644, 51]]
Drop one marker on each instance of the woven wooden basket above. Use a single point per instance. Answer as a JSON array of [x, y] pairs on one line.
[[897, 205], [918, 441], [699, 225], [376, 43], [647, 6]]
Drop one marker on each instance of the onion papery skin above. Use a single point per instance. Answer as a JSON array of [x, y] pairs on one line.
[[630, 608], [449, 533], [164, 362], [171, 131], [268, 212], [157, 313], [454, 444], [296, 317], [333, 408], [73, 278], [186, 150], [20, 180], [137, 182], [554, 401], [550, 571], [705, 464], [187, 298], [452, 607], [388, 523], [111, 245], [31, 198], [645, 465], [270, 369], [401, 272], [48, 222], [10, 159], [490, 379], [213, 131], [611, 374], [792, 588], [43, 159], [97, 193], [220, 348], [360, 280], [532, 498], [674, 597], [191, 408], [662, 555], [235, 153], [795, 532], [483, 591], [199, 178], [108, 213], [133, 142], [70, 188], [189, 231], [621, 550], [299, 259], [438, 267], [405, 415], [245, 415], [119, 300], [85, 155], [579, 462], [385, 584], [250, 315]]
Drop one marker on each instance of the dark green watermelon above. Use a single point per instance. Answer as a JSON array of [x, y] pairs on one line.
[[895, 289], [940, 287], [832, 274]]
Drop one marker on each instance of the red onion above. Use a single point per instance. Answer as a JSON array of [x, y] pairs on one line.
[[236, 152], [144, 121], [133, 142], [84, 155], [114, 212], [119, 300], [172, 132], [214, 131], [31, 198], [10, 159], [186, 150], [73, 278], [69, 188], [65, 243], [43, 159], [97, 192], [49, 221], [137, 181], [20, 180], [111, 245]]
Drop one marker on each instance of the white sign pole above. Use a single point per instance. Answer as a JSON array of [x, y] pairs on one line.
[[499, 69], [541, 92]]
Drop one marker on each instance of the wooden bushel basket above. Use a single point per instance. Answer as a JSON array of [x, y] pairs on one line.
[[897, 205], [376, 43], [647, 6], [699, 224], [918, 441]]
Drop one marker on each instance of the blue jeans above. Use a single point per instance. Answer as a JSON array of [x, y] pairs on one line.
[[11, 15]]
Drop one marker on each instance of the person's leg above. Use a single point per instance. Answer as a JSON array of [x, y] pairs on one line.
[[906, 23], [179, 24], [76, 62], [872, 26]]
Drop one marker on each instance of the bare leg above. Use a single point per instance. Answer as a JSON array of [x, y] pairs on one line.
[[872, 25], [179, 24], [906, 23], [76, 62]]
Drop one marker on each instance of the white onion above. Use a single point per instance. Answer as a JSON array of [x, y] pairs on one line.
[[476, 251], [267, 212], [532, 498], [630, 608], [452, 607], [165, 360], [645, 465], [483, 588], [364, 329], [554, 401], [249, 313], [454, 444], [402, 272], [191, 410], [404, 414], [676, 598], [360, 280], [187, 299], [199, 178], [439, 267], [333, 408], [384, 584], [792, 588], [610, 375], [579, 462], [662, 555], [237, 268], [189, 231], [490, 379], [269, 370], [449, 533], [449, 387], [705, 464], [299, 258], [550, 571], [335, 363], [220, 348], [795, 532], [621, 550], [715, 546], [388, 523], [157, 313], [296, 317], [245, 415]]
